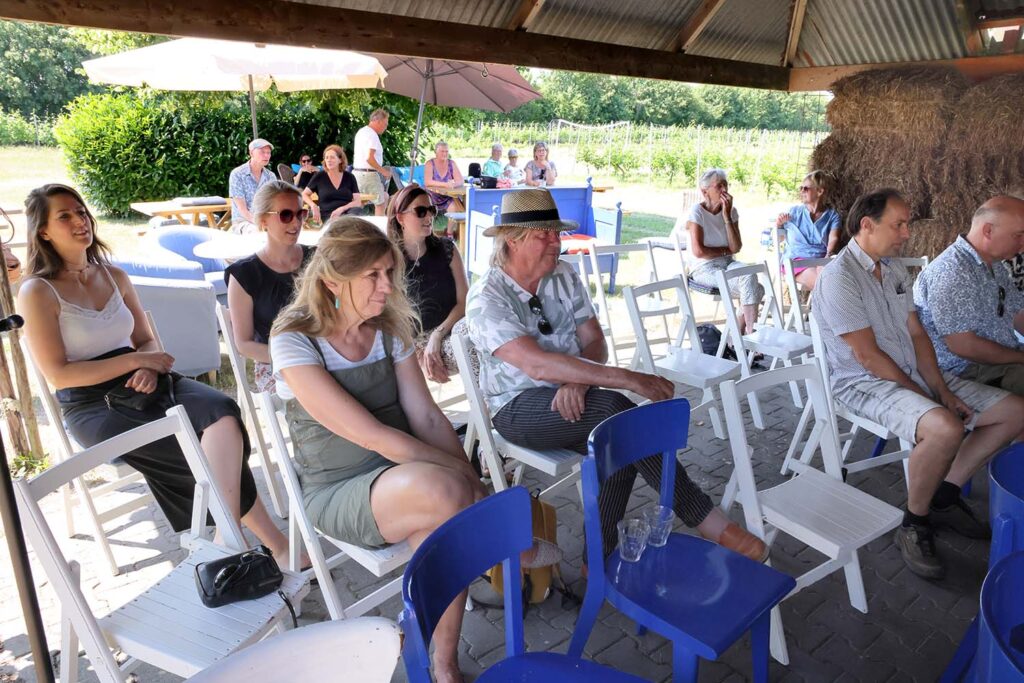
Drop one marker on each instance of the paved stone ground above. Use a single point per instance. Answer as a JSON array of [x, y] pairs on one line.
[[908, 634]]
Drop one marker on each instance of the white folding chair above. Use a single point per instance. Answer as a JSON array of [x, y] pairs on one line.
[[770, 339], [561, 463], [366, 649], [581, 262], [166, 626], [650, 305], [249, 415], [857, 423], [814, 507], [694, 286], [682, 364], [796, 317], [379, 562]]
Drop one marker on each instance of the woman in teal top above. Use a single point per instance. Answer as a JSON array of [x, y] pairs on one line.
[[379, 462], [812, 227]]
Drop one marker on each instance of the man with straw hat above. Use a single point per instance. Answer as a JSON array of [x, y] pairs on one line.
[[542, 363]]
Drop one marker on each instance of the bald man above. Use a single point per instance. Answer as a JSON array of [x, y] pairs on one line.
[[968, 303]]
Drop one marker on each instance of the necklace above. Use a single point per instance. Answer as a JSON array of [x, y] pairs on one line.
[[79, 273]]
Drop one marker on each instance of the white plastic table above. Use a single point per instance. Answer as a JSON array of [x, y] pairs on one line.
[[231, 247]]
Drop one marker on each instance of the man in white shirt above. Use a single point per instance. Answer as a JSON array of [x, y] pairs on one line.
[[368, 160]]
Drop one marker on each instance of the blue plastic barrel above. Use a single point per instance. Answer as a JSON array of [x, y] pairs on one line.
[[1000, 655], [1006, 502]]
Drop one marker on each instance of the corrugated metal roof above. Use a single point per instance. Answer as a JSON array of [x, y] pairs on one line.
[[746, 31], [878, 31], [650, 24]]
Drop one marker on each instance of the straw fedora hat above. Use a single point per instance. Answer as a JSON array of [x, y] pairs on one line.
[[534, 208]]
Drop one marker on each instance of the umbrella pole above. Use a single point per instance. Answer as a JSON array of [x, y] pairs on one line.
[[23, 575], [419, 117], [252, 109]]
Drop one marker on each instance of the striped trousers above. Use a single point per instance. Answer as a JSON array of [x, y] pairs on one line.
[[528, 420]]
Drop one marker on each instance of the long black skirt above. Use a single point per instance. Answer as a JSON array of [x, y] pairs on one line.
[[161, 463]]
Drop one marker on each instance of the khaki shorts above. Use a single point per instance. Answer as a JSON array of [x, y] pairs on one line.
[[1008, 377], [342, 510], [899, 409], [370, 182]]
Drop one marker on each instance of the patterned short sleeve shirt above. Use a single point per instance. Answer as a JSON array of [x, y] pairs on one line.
[[848, 298], [241, 183], [497, 312], [959, 292]]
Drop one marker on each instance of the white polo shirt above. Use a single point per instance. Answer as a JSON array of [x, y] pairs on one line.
[[366, 140]]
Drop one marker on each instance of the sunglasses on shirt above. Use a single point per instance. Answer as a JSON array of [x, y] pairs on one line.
[[422, 211], [1002, 303], [288, 215], [543, 326]]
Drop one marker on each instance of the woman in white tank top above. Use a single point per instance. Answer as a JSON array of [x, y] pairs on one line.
[[88, 334]]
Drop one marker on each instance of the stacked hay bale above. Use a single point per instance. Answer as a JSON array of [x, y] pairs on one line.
[[888, 130]]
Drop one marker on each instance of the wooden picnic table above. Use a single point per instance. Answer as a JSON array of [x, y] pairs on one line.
[[174, 208]]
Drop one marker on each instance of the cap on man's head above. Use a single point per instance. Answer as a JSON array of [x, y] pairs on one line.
[[259, 142], [513, 152]]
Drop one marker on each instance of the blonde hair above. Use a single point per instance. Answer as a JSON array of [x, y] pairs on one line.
[[825, 181], [505, 236], [263, 200], [348, 247]]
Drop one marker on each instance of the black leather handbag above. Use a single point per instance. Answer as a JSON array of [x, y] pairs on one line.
[[244, 576]]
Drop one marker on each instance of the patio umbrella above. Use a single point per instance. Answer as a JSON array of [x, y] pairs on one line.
[[494, 87], [203, 64]]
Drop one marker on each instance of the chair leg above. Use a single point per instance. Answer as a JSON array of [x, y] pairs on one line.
[[794, 389], [963, 658], [585, 623], [801, 427], [855, 583], [760, 633], [69, 639], [729, 495], [716, 415], [777, 640], [97, 528], [685, 664]]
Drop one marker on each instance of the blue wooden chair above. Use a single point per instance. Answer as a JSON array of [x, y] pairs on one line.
[[458, 552], [697, 594], [1000, 656]]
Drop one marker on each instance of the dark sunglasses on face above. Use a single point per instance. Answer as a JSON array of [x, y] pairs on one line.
[[422, 211], [806, 188], [543, 326], [288, 215], [1002, 303], [304, 161]]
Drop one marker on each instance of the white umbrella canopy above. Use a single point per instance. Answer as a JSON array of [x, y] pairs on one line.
[[493, 87], [203, 64]]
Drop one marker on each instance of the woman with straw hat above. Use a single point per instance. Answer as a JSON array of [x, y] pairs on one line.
[[543, 371]]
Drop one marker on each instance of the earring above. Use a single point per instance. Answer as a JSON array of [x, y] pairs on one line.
[[337, 303]]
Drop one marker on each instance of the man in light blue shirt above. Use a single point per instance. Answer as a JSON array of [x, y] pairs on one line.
[[968, 303], [493, 166]]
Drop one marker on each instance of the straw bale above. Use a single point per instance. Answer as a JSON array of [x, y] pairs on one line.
[[918, 101], [990, 119], [930, 237]]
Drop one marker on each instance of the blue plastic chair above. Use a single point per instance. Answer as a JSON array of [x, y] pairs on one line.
[[1006, 514], [459, 551], [697, 594], [1001, 632]]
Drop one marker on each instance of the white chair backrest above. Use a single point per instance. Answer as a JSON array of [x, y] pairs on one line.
[[798, 316], [770, 304], [681, 241], [687, 324], [50, 407], [616, 250], [823, 432], [911, 261], [478, 411]]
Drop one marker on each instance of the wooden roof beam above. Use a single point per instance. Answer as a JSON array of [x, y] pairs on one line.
[[525, 15], [806, 79], [287, 23], [696, 24], [967, 20], [796, 25]]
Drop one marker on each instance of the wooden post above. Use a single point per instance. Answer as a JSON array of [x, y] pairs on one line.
[[18, 412]]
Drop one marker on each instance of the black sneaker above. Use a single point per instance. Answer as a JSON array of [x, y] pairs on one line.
[[962, 519], [917, 545]]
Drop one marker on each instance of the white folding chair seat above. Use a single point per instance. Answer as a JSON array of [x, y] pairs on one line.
[[166, 626], [127, 485], [814, 507], [380, 561], [249, 414], [770, 339], [561, 463], [681, 364]]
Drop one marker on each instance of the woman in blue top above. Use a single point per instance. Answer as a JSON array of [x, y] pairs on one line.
[[812, 227]]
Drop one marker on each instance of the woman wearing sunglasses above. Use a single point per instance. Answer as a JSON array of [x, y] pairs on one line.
[[259, 286], [813, 226], [435, 279], [306, 171]]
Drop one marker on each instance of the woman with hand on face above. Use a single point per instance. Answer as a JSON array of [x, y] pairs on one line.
[[435, 279], [813, 226], [336, 189], [259, 286], [714, 228], [378, 461], [441, 173], [89, 336], [540, 171]]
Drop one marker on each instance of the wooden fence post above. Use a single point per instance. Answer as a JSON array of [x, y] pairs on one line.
[[16, 409]]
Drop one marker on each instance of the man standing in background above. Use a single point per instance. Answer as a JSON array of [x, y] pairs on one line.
[[368, 160]]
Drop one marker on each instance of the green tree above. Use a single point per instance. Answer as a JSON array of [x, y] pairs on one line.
[[40, 68], [101, 42]]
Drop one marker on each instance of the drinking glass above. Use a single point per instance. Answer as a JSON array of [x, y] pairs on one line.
[[659, 519], [632, 538]]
